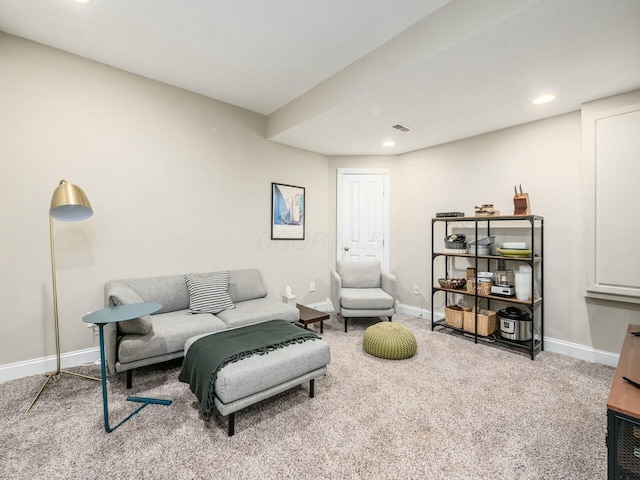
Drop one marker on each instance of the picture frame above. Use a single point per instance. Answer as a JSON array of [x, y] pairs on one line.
[[287, 212]]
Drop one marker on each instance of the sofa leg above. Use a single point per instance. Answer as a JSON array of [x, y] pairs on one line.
[[390, 318], [345, 324], [311, 388], [232, 424], [129, 378]]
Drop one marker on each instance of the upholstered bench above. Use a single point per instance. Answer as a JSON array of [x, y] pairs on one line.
[[260, 375]]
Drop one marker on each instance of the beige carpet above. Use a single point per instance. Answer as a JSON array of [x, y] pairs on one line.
[[456, 410]]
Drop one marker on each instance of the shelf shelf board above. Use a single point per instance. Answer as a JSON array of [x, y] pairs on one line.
[[490, 297], [519, 345], [484, 218], [488, 257], [494, 337]]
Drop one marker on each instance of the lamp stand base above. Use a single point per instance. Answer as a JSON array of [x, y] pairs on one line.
[[56, 376]]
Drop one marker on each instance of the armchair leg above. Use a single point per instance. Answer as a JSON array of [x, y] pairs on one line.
[[345, 324], [129, 378], [389, 317]]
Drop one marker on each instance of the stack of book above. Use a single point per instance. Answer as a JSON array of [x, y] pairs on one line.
[[449, 214]]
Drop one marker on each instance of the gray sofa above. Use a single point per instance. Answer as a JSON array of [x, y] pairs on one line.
[[161, 337]]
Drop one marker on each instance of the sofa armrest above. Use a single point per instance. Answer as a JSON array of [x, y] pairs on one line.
[[389, 285], [110, 332], [117, 293], [336, 286]]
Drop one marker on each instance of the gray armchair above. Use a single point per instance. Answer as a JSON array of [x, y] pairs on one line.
[[361, 289]]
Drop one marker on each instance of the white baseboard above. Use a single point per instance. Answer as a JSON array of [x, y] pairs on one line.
[[327, 306], [580, 351], [44, 365], [417, 312], [550, 344], [41, 366]]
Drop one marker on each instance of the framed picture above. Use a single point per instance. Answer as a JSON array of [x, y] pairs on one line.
[[287, 212]]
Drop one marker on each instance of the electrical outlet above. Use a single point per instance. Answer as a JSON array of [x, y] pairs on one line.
[[416, 289], [312, 286]]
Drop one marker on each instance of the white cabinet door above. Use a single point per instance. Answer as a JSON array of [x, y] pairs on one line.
[[611, 149]]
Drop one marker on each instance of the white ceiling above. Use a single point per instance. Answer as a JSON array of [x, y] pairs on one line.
[[334, 75]]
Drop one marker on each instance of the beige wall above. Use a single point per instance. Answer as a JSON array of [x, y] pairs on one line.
[[178, 183], [545, 157]]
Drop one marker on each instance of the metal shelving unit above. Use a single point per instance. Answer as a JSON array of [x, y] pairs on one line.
[[535, 261]]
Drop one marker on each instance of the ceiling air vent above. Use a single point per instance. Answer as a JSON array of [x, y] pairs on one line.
[[400, 127]]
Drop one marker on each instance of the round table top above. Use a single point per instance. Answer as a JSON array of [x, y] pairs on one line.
[[120, 313]]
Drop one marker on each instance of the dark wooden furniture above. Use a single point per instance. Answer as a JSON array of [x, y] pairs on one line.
[[623, 412], [309, 315]]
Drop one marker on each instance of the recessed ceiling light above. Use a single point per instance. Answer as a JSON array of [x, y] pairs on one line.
[[389, 143], [543, 99], [83, 2]]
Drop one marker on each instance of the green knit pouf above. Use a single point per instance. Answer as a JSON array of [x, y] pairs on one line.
[[389, 340]]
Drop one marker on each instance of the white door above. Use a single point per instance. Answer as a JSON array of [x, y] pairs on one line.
[[363, 215]]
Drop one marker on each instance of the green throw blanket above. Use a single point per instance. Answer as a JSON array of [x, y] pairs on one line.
[[207, 355]]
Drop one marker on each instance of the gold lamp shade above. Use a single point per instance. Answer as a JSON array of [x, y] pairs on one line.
[[69, 203]]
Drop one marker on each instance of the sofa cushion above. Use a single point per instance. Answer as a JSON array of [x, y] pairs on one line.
[[121, 294], [170, 332], [259, 372], [246, 285], [365, 299], [209, 295], [359, 274], [170, 291], [258, 310]]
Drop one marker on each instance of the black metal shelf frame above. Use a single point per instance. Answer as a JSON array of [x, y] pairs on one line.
[[535, 262]]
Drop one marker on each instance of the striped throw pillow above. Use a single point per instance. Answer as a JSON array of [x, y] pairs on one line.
[[210, 294]]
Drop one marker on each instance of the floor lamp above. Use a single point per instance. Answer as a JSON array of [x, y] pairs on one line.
[[68, 204]]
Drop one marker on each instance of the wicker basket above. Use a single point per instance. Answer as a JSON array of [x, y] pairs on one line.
[[452, 283], [483, 289], [454, 318], [487, 322]]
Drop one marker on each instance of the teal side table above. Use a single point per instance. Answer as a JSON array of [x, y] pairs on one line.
[[120, 313]]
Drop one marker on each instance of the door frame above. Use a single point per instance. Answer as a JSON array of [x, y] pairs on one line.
[[341, 173]]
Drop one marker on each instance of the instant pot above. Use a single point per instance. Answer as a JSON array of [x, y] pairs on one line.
[[515, 324]]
